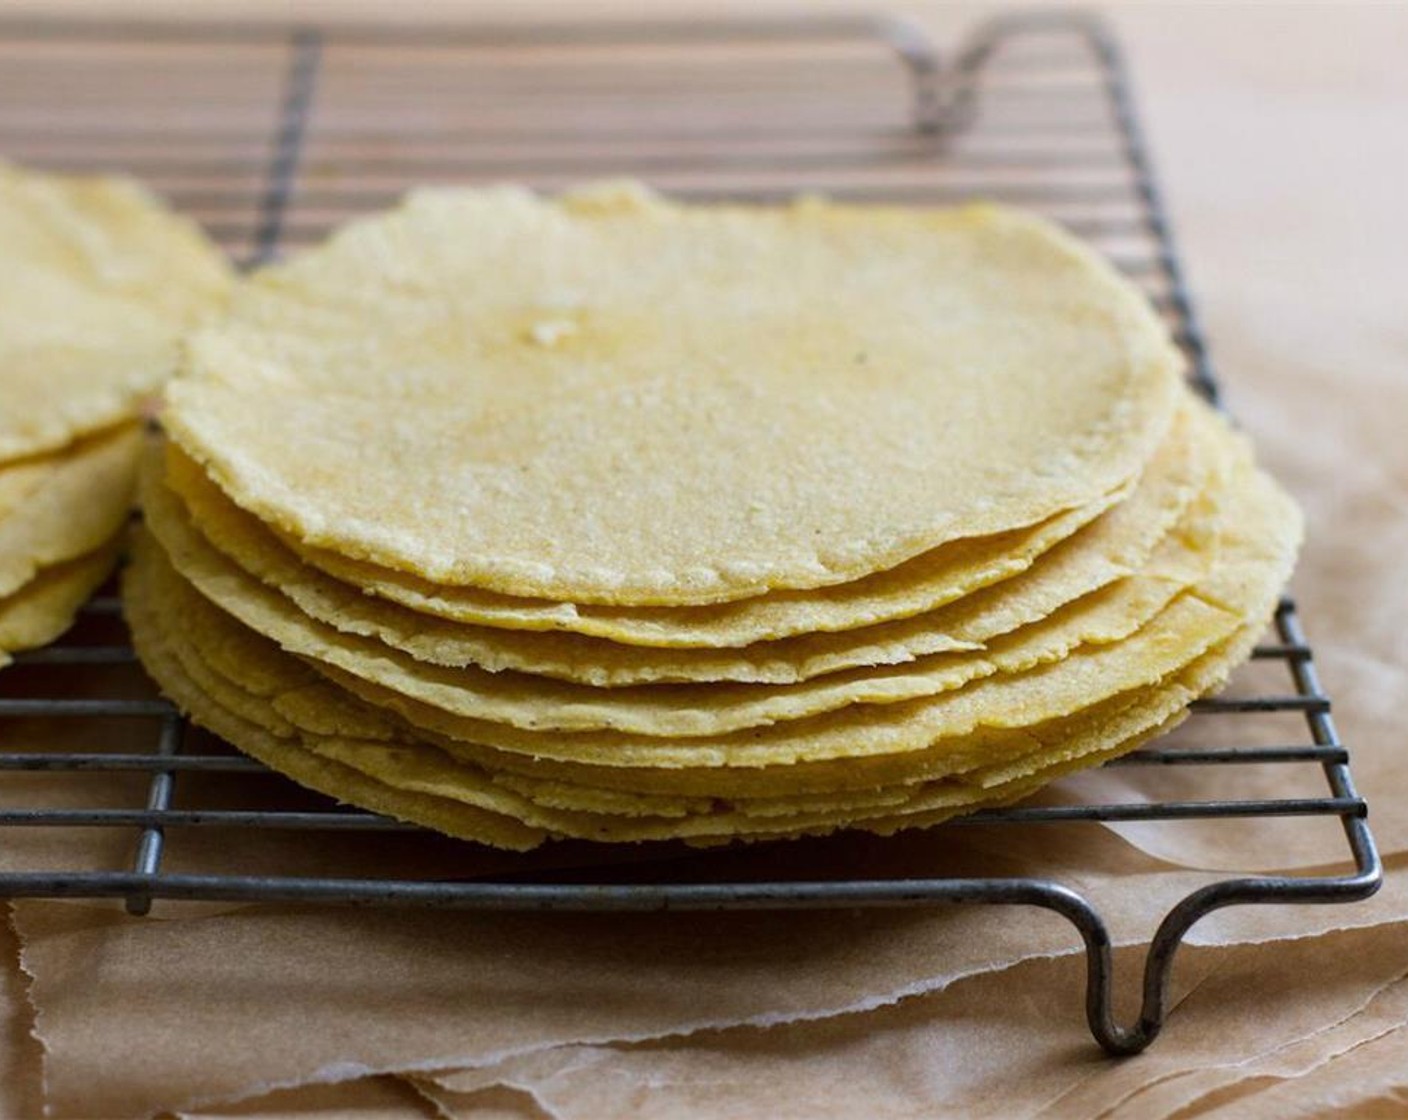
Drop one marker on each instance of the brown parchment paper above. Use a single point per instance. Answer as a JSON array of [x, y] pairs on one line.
[[1281, 145], [324, 996], [370, 1098], [974, 1050], [20, 1088]]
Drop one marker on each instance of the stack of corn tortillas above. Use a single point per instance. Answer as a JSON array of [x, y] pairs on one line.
[[609, 518], [98, 284]]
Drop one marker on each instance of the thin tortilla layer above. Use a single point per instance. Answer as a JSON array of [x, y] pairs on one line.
[[420, 784], [1115, 544], [82, 500], [1253, 563], [540, 704], [45, 607]]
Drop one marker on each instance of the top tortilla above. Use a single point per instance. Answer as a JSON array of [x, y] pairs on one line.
[[611, 398], [100, 280]]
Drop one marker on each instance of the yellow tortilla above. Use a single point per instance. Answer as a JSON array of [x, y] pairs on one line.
[[927, 582], [299, 703], [1115, 544], [542, 704], [83, 499], [419, 783], [100, 280], [45, 607], [1258, 539], [617, 399], [307, 769], [1254, 565], [1258, 530], [20, 479]]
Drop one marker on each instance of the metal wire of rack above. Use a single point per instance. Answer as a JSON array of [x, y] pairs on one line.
[[1033, 109]]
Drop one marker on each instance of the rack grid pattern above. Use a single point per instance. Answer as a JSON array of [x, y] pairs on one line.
[[272, 136]]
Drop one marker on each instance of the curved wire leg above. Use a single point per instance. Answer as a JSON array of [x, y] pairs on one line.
[[1158, 964]]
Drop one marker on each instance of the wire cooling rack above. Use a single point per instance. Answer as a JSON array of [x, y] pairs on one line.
[[271, 136]]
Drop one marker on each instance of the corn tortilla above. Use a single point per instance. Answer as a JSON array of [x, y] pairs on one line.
[[45, 607], [83, 499], [21, 478], [1116, 544], [421, 784], [297, 698], [310, 770], [617, 399], [1258, 531], [927, 582], [100, 280], [542, 704], [1257, 546]]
